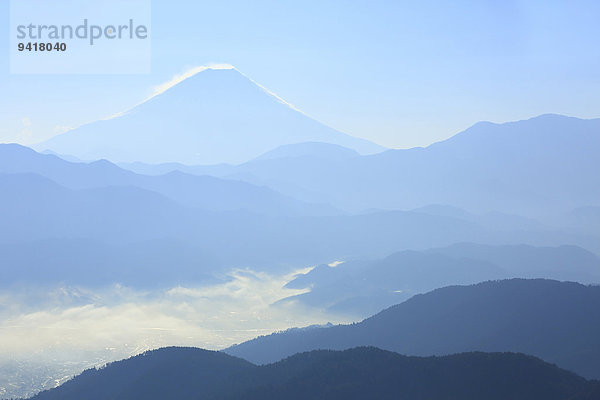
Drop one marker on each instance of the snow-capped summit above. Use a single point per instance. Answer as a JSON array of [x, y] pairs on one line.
[[209, 115]]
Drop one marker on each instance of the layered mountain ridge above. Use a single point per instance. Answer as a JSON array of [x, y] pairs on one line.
[[188, 373], [556, 321]]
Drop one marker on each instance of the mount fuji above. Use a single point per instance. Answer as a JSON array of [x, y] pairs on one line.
[[217, 115]]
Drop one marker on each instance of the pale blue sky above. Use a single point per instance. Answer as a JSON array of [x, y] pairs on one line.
[[399, 73]]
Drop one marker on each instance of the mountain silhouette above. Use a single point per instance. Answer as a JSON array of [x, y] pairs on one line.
[[535, 167], [196, 225], [214, 116], [538, 166], [178, 373], [556, 321], [360, 288], [568, 263], [124, 233], [205, 192], [188, 373], [136, 236], [44, 225]]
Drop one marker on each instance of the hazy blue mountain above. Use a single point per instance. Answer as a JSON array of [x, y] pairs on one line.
[[587, 217], [65, 157], [179, 227], [490, 219], [532, 167], [570, 263], [217, 194], [144, 229], [556, 321], [544, 165], [306, 151], [446, 211], [34, 209], [153, 263], [212, 117], [105, 235], [325, 151], [360, 288], [187, 373], [218, 170], [205, 192]]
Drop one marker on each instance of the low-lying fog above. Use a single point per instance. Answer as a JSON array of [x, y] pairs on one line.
[[48, 334]]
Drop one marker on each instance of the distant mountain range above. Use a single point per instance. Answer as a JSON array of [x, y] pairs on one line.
[[220, 123], [217, 115], [361, 373], [556, 321], [544, 165], [205, 192], [362, 288], [63, 219], [59, 230]]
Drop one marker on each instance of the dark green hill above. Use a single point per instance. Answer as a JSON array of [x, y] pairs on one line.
[[360, 373], [556, 321], [167, 373]]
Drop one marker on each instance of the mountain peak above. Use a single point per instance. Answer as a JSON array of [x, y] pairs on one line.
[[190, 73], [207, 115]]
